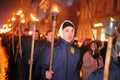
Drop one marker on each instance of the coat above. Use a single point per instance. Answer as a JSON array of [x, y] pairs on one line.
[[114, 73], [66, 61], [90, 64]]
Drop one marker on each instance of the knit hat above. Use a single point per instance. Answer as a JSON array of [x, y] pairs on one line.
[[66, 24]]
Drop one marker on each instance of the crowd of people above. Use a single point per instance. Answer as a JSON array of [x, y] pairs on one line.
[[67, 61]]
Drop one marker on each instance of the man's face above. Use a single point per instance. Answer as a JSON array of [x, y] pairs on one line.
[[36, 35], [68, 33], [26, 33], [49, 36]]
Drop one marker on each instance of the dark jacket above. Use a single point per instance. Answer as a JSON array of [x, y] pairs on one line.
[[66, 61], [43, 47], [114, 73], [27, 55], [27, 50]]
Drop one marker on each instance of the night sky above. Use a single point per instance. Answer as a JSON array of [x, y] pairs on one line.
[[7, 7]]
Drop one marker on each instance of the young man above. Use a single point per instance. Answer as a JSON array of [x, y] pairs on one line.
[[66, 57]]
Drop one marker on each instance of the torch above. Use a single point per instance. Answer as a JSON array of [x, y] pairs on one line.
[[19, 47], [54, 18], [35, 20], [110, 31], [13, 19]]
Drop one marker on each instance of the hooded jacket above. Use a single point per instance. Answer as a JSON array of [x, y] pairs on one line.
[[66, 61]]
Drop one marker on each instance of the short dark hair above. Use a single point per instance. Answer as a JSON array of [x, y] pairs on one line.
[[26, 29], [48, 31]]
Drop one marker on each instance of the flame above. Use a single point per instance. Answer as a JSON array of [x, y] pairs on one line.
[[22, 21], [22, 15], [111, 19], [34, 18], [13, 18], [55, 8], [19, 12], [3, 62]]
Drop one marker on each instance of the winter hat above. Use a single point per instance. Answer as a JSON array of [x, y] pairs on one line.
[[67, 24]]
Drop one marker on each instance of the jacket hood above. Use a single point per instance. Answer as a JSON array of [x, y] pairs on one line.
[[63, 25]]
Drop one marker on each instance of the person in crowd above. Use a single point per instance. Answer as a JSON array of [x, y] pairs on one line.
[[25, 37], [114, 70], [43, 46], [48, 38], [27, 54], [66, 56], [103, 51], [92, 60], [84, 47], [12, 66]]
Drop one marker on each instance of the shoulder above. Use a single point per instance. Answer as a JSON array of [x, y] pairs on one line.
[[97, 74]]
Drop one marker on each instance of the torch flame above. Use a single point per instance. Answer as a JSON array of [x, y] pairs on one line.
[[19, 12], [13, 18], [34, 18], [22, 21], [111, 19], [55, 8]]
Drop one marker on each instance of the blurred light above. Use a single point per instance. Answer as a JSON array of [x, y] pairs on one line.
[[94, 34], [8, 20], [112, 19], [9, 25], [34, 18], [55, 8], [102, 37], [22, 21], [5, 26], [22, 15], [13, 18], [41, 35], [30, 32], [19, 12], [5, 30], [98, 25]]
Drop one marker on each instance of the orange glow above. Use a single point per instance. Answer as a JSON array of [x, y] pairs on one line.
[[34, 18], [80, 73], [111, 19], [3, 62], [5, 26], [8, 20], [19, 12], [55, 8], [22, 15], [10, 25], [22, 21], [13, 18]]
